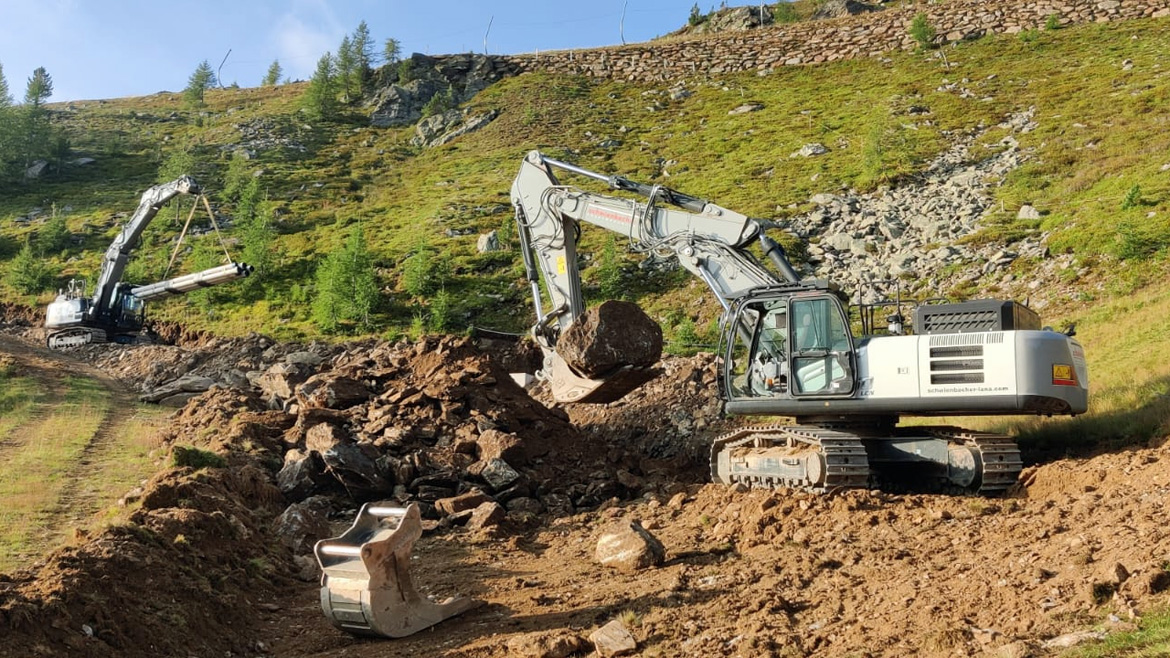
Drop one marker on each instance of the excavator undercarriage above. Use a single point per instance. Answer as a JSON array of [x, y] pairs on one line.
[[853, 456]]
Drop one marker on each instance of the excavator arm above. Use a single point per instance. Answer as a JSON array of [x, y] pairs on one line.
[[119, 251], [708, 240]]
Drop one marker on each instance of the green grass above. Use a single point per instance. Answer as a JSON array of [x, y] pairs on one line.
[[18, 396], [1100, 134], [39, 464], [1152, 638]]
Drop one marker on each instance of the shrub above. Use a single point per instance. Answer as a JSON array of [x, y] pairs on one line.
[[784, 12], [28, 273], [922, 31], [191, 457], [697, 17], [1133, 198], [1052, 22]]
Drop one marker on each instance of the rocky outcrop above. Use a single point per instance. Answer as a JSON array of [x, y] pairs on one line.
[[840, 8], [406, 87]]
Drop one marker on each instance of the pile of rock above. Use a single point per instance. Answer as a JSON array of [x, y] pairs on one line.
[[910, 235]]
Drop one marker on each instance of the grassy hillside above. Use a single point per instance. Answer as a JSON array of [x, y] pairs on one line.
[[1095, 169]]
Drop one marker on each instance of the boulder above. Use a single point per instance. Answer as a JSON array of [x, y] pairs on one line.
[[356, 472], [302, 524], [610, 336], [1028, 212], [613, 640], [810, 150], [525, 505], [496, 473], [280, 381], [629, 547], [192, 384], [494, 444], [470, 500], [331, 391], [302, 474], [489, 241], [487, 515], [324, 436]]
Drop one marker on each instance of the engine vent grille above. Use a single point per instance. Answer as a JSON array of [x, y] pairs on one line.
[[957, 378]]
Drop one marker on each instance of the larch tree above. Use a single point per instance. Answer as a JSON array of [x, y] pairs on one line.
[[320, 99], [345, 63], [200, 81], [36, 129], [272, 77], [363, 56]]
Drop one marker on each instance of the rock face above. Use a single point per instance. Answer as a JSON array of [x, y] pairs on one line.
[[609, 336], [629, 547], [839, 8], [400, 101], [440, 129]]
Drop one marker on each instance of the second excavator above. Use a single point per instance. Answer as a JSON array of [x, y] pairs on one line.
[[115, 312], [789, 348]]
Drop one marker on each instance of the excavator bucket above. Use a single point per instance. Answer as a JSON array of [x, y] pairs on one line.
[[366, 587], [567, 386]]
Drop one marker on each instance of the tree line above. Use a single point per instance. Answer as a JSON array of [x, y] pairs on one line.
[[26, 132]]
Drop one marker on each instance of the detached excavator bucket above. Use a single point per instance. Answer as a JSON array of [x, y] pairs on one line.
[[366, 587], [567, 386]]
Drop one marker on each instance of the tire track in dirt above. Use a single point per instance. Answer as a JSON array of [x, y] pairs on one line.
[[76, 501]]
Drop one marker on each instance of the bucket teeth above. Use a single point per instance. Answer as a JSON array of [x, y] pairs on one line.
[[366, 587]]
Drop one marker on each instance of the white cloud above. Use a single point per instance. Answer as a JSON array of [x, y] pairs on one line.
[[302, 34]]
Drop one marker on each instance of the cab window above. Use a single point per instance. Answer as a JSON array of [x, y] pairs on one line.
[[821, 357], [759, 352]]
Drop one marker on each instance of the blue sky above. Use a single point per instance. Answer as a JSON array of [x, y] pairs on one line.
[[112, 48]]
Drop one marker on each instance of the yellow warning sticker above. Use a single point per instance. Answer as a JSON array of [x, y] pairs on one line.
[[1062, 374], [560, 264]]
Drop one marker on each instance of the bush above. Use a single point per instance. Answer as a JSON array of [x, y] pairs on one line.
[[439, 103], [440, 311], [1133, 198], [190, 457], [784, 12], [53, 236], [28, 273], [697, 17], [1052, 22], [922, 31]]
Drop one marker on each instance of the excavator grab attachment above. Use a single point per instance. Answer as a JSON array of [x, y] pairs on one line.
[[366, 587]]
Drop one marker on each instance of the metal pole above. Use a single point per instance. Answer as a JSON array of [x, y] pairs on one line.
[[622, 22], [485, 34]]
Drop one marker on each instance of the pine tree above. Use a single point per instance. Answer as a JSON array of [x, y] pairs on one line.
[[39, 89], [54, 235], [258, 238], [391, 51], [5, 95], [200, 81], [345, 65], [363, 56], [36, 132], [272, 77], [346, 286], [7, 126], [28, 273], [320, 99]]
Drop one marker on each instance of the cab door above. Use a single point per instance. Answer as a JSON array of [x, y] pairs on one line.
[[821, 357]]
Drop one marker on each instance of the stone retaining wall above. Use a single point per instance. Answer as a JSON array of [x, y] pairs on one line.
[[851, 37]]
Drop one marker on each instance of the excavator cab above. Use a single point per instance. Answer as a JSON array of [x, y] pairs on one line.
[[789, 346]]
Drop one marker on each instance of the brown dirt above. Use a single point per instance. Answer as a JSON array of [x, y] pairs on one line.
[[197, 571]]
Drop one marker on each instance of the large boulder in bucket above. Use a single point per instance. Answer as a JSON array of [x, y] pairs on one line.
[[610, 336]]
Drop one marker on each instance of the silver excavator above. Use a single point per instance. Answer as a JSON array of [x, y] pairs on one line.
[[788, 348], [115, 312]]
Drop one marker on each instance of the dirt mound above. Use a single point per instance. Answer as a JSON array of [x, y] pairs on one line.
[[182, 574]]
